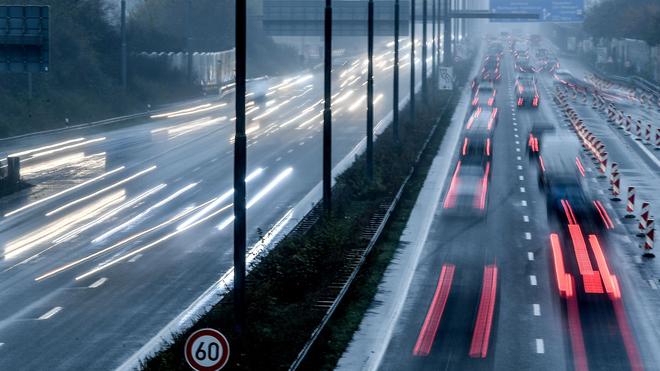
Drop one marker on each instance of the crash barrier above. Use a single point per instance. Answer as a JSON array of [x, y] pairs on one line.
[[10, 174], [615, 181], [598, 152], [630, 205], [649, 237], [643, 218]]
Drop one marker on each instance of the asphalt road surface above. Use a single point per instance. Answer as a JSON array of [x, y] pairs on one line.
[[487, 294], [124, 228]]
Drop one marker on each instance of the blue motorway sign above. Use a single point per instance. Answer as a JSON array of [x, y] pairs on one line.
[[549, 10]]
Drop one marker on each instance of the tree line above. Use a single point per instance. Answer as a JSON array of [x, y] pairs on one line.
[[84, 78]]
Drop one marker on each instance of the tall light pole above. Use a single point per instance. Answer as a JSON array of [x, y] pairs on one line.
[[433, 44], [370, 92], [327, 110], [189, 40], [124, 78], [395, 93], [240, 165], [424, 52], [446, 49], [412, 62]]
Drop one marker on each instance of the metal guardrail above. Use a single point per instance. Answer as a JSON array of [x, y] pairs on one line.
[[108, 121], [372, 242], [636, 81]]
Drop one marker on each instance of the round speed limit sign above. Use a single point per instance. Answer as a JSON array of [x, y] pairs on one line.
[[207, 350]]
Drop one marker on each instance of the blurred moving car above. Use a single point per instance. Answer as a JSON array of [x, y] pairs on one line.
[[562, 178], [526, 91], [258, 87], [484, 96], [468, 190], [491, 69]]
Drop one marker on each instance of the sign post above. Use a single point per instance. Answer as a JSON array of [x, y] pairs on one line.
[[207, 350]]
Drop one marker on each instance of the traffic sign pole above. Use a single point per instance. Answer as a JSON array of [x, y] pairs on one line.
[[412, 62], [395, 92], [327, 110], [370, 93]]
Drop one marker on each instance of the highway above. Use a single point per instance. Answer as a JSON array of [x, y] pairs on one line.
[[125, 227], [519, 286]]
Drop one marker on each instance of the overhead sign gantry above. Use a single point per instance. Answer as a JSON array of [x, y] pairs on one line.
[[349, 18], [548, 10]]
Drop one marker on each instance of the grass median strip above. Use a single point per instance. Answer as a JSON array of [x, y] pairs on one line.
[[285, 288]]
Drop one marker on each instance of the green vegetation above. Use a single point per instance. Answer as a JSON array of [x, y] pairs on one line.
[[634, 19], [285, 285], [83, 83], [338, 333]]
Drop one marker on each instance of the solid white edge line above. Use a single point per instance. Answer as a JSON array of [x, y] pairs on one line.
[[540, 346]]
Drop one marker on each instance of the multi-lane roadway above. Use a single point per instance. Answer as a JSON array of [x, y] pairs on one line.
[[124, 228], [517, 285]]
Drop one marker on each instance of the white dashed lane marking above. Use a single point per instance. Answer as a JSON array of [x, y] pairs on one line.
[[98, 283], [540, 347], [536, 308], [530, 256], [135, 258], [525, 219], [50, 313], [532, 280], [528, 236], [522, 189], [523, 203]]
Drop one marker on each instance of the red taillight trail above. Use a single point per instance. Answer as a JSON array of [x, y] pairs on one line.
[[432, 320], [482, 327]]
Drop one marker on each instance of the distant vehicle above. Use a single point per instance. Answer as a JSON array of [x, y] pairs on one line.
[[561, 178], [484, 96], [257, 88], [468, 190], [523, 65], [534, 139], [491, 69], [526, 92], [495, 48], [520, 48], [483, 119]]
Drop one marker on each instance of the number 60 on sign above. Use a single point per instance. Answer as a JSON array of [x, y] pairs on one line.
[[207, 350]]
